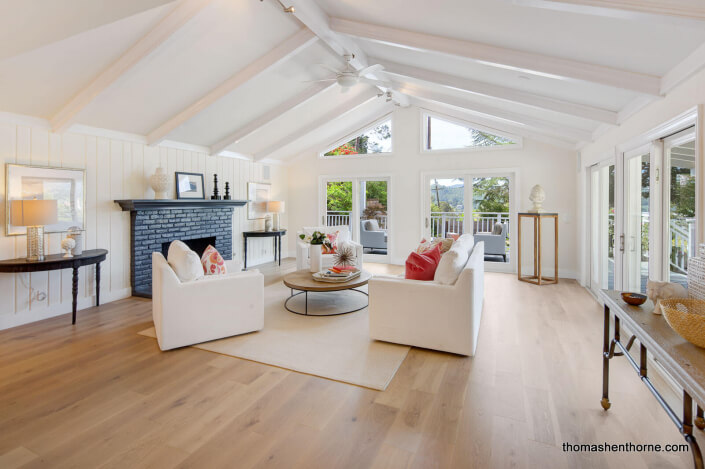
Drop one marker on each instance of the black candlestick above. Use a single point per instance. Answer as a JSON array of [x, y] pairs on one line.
[[227, 191], [215, 195]]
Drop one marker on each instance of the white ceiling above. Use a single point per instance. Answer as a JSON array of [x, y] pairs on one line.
[[46, 64]]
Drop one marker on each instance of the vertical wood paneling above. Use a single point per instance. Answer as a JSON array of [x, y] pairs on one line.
[[8, 136], [114, 170]]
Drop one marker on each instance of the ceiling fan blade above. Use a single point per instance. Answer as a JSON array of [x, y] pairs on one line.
[[371, 69], [370, 81], [329, 68], [319, 81], [345, 89]]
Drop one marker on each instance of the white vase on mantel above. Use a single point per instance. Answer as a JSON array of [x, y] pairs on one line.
[[315, 254], [160, 184]]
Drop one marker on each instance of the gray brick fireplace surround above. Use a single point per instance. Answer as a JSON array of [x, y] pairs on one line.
[[154, 225]]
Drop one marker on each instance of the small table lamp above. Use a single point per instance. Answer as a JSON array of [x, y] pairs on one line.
[[276, 207], [34, 214]]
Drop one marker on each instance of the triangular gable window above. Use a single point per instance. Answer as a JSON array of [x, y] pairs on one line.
[[376, 139], [441, 134]]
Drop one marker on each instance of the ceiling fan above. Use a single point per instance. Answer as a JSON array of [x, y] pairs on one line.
[[349, 76]]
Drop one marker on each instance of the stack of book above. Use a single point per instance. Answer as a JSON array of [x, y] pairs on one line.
[[337, 274]]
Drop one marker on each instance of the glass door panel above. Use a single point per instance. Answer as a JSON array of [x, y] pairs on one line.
[[490, 216], [374, 216], [637, 188], [339, 203], [602, 227], [446, 207], [680, 213]]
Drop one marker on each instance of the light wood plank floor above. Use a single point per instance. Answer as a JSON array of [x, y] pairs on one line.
[[98, 395]]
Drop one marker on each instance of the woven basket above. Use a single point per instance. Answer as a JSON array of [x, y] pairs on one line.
[[687, 318]]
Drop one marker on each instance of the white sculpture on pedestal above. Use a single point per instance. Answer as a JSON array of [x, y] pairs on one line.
[[538, 195]]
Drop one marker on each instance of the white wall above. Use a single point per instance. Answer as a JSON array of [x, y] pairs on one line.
[[681, 99], [117, 167], [538, 163]]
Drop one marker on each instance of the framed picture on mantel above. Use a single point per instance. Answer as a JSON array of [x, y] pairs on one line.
[[189, 186]]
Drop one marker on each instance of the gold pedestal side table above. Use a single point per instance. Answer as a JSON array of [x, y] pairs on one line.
[[537, 278]]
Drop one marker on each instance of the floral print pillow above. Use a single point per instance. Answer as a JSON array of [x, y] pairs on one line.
[[213, 263], [330, 244]]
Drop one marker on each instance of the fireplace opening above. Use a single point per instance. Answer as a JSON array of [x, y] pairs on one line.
[[198, 245]]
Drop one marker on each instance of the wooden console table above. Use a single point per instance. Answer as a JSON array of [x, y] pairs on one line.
[[276, 234], [537, 278], [59, 262], [683, 361]]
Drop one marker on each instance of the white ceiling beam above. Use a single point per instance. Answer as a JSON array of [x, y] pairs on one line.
[[314, 18], [269, 116], [333, 114], [289, 47], [463, 115], [688, 67], [182, 14], [525, 62], [500, 92], [493, 113], [688, 12]]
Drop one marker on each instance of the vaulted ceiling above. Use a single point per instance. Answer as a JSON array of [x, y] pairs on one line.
[[239, 76]]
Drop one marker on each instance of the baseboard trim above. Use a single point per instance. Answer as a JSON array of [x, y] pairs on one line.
[[10, 320]]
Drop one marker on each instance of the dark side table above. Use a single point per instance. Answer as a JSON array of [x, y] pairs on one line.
[[59, 262], [276, 234]]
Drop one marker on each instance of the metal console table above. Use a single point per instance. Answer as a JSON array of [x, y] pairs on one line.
[[683, 361]]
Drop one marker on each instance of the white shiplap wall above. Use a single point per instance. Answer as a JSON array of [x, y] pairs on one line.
[[116, 168]]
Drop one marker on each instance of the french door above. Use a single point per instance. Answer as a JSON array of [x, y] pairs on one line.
[[362, 204], [480, 203], [602, 226]]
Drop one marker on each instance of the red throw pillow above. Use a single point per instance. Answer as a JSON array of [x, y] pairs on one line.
[[423, 266], [213, 263]]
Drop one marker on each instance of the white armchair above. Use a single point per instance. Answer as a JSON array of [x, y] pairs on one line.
[[429, 314], [216, 306], [303, 260]]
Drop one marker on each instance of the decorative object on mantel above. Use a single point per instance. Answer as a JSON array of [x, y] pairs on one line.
[[268, 222], [657, 291], [537, 197], [189, 186], [64, 185], [216, 195], [34, 214], [275, 207], [696, 275], [67, 244], [257, 198], [159, 181], [77, 235], [687, 318], [227, 191]]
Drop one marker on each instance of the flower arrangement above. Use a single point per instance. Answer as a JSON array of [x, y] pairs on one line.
[[317, 238]]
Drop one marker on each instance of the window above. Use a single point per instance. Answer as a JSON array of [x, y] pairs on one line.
[[376, 139], [442, 134]]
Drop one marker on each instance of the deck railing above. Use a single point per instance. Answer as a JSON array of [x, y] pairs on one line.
[[443, 223], [338, 218]]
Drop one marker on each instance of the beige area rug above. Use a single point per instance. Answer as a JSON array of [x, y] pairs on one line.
[[334, 347]]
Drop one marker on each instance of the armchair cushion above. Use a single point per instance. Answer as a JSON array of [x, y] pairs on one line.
[[371, 225], [213, 263], [186, 264], [453, 262]]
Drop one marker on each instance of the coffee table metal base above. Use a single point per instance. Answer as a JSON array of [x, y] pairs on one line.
[[305, 313]]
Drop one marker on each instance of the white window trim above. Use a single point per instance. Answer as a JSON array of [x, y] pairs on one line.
[[387, 117], [465, 123]]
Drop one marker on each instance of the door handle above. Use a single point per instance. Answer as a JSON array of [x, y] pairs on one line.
[[426, 222], [621, 242]]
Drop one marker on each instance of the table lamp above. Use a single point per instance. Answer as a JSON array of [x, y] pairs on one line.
[[276, 207], [34, 214]]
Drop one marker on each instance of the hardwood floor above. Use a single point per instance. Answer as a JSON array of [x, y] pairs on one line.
[[99, 395]]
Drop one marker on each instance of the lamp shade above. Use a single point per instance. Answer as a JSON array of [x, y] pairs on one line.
[[33, 212], [275, 206]]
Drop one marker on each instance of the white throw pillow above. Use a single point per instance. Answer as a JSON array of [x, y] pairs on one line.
[[186, 263], [453, 262]]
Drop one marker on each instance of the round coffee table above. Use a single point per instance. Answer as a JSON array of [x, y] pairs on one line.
[[302, 280]]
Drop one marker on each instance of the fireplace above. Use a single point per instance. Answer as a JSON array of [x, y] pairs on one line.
[[156, 223], [198, 245]]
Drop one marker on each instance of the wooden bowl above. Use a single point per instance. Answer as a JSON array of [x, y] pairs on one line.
[[634, 299]]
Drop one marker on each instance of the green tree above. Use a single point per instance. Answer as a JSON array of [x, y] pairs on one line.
[[376, 190], [339, 196], [492, 194]]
